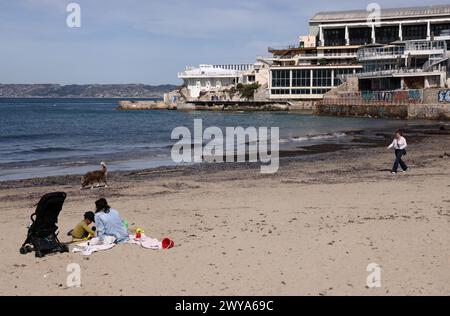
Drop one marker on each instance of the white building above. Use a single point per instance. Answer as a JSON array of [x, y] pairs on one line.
[[322, 60], [209, 78]]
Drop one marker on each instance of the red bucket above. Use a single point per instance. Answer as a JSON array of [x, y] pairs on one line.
[[167, 243]]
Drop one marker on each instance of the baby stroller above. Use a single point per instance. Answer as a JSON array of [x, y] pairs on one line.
[[42, 234]]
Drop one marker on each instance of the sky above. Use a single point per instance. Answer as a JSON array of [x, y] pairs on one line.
[[149, 41]]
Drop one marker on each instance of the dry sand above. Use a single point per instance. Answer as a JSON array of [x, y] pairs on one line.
[[311, 229]]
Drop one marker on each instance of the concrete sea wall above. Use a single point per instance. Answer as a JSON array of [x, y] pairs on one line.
[[363, 110], [143, 105], [431, 104]]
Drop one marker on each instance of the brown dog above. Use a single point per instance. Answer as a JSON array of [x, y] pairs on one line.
[[95, 177]]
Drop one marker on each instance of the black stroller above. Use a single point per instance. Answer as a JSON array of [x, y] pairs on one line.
[[42, 234]]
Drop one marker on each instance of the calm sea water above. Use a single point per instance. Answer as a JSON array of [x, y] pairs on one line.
[[43, 137]]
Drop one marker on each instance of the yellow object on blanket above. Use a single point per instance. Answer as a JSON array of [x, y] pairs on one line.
[[139, 232]]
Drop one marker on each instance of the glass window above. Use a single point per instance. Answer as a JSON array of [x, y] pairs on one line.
[[437, 29], [281, 78], [301, 78], [339, 75], [301, 91], [334, 37], [322, 78], [387, 34], [414, 32], [320, 91], [280, 91], [360, 36]]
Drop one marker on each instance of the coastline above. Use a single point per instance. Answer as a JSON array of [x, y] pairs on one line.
[[310, 229], [365, 139], [269, 170]]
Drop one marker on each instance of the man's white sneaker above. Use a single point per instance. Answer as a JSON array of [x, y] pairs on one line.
[[394, 173]]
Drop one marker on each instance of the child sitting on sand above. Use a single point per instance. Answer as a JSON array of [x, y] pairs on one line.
[[82, 230]]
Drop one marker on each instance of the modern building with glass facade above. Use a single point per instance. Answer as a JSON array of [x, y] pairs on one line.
[[308, 70], [418, 64]]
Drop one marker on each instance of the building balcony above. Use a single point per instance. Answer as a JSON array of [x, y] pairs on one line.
[[404, 72], [413, 48], [426, 48], [376, 53], [187, 75]]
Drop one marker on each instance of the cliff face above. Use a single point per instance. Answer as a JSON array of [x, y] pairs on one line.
[[83, 91]]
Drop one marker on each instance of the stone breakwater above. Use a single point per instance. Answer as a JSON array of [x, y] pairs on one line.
[[144, 105], [204, 106]]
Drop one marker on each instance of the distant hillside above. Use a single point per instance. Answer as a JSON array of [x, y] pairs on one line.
[[83, 91]]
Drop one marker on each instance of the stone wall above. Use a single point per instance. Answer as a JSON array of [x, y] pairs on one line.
[[143, 105], [346, 100], [436, 106], [303, 106], [430, 96], [429, 111], [363, 110]]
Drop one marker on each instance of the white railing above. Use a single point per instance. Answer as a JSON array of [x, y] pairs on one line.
[[237, 67], [394, 72], [377, 52], [430, 47], [426, 46]]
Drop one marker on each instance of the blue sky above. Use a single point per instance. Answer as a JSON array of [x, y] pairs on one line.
[[148, 41]]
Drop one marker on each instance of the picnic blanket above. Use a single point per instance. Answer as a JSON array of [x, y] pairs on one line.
[[96, 244], [146, 242]]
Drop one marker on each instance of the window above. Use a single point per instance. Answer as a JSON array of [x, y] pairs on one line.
[[301, 78], [387, 34], [414, 32], [436, 29], [300, 91], [339, 75], [360, 36], [280, 78], [322, 78], [320, 91], [280, 91], [334, 37]]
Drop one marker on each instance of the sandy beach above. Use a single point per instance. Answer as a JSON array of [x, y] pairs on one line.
[[310, 229]]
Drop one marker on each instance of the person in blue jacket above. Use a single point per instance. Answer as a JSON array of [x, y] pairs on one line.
[[109, 223]]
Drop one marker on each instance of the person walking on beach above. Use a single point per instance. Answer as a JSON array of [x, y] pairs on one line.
[[399, 144]]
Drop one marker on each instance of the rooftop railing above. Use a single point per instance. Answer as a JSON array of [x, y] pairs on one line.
[[288, 47]]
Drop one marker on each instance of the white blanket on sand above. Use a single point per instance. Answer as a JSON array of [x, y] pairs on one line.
[[146, 242], [96, 244]]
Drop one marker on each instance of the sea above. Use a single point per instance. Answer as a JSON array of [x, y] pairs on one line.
[[49, 137]]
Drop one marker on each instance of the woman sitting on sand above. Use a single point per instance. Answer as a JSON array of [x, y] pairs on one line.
[[109, 223], [399, 144]]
